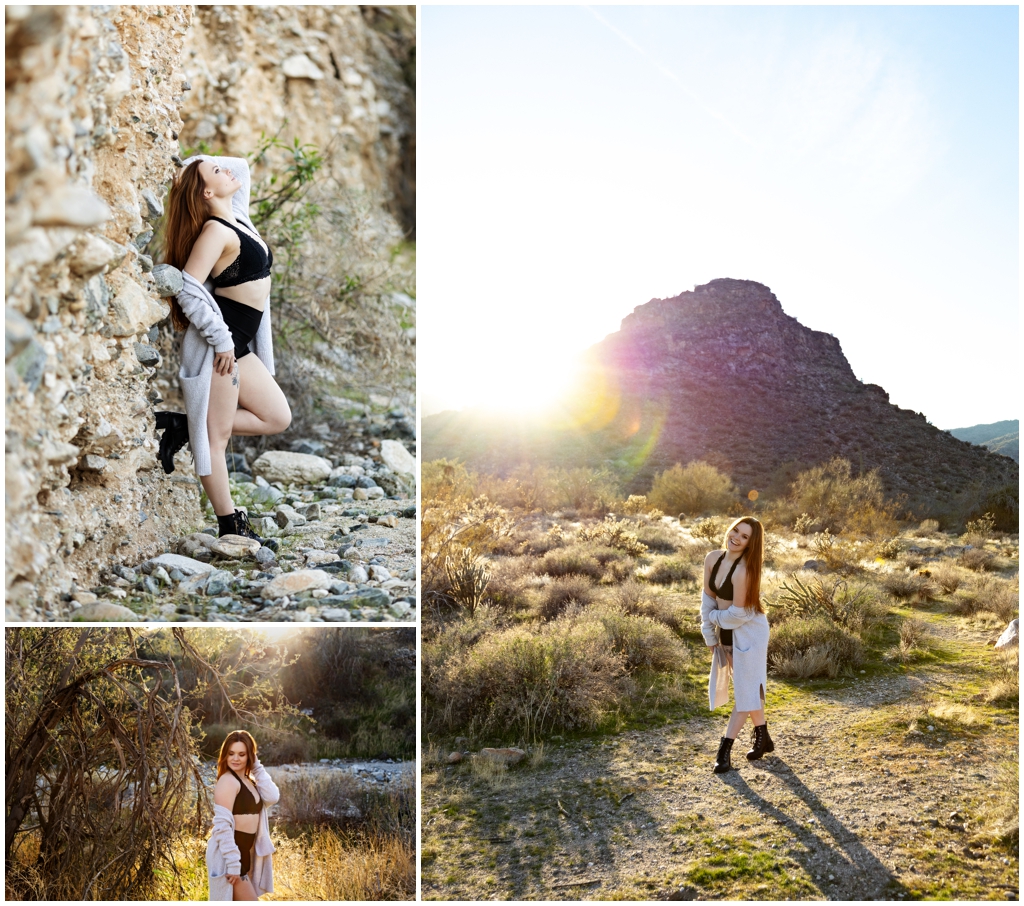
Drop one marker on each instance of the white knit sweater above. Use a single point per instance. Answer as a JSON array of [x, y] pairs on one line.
[[207, 333], [749, 654]]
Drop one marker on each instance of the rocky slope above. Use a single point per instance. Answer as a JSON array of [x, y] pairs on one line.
[[100, 101], [723, 374]]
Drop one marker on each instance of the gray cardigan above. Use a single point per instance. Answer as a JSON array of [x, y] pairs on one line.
[[207, 333]]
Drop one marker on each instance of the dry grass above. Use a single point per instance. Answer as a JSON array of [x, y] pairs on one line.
[[946, 576], [564, 592], [907, 585], [913, 643], [977, 559], [326, 865], [991, 594]]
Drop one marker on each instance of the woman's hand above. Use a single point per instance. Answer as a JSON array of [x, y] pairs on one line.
[[233, 879], [224, 363]]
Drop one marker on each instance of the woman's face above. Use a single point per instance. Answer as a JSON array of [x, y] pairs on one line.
[[217, 182], [238, 757], [739, 538]]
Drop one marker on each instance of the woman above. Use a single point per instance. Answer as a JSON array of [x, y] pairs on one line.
[[735, 627], [227, 390], [238, 856]]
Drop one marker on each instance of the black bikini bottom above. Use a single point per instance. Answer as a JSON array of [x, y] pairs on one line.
[[245, 842], [725, 636], [243, 321]]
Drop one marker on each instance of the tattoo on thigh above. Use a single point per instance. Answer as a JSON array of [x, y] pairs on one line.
[[234, 376]]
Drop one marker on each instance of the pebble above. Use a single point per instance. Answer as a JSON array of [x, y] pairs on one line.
[[103, 611], [185, 565]]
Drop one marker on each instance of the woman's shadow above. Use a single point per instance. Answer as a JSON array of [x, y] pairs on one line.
[[866, 877]]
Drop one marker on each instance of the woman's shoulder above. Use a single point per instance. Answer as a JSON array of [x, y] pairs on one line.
[[228, 781], [713, 556]]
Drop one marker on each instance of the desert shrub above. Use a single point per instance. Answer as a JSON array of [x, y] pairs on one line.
[[521, 683], [467, 576], [636, 598], [452, 522], [1005, 687], [927, 527], [806, 525], [695, 489], [913, 635], [510, 578], [635, 505], [617, 534], [903, 585], [644, 643], [540, 542], [856, 610], [577, 560], [912, 560], [839, 554], [453, 639], [709, 530], [837, 500], [564, 592], [669, 571], [658, 538], [976, 559], [946, 576], [978, 531], [889, 549], [814, 647], [989, 594]]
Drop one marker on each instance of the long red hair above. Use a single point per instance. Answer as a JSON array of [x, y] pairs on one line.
[[753, 554], [242, 736], [187, 212]]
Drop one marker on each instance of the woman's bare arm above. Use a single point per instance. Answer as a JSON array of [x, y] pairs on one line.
[[206, 252]]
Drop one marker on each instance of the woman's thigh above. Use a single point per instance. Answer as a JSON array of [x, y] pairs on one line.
[[223, 402], [259, 393], [244, 890]]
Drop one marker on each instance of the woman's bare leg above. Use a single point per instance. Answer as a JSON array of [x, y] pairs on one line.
[[244, 890], [736, 721], [224, 392], [262, 406]]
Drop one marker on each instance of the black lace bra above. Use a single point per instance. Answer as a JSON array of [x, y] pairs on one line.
[[251, 264], [245, 802]]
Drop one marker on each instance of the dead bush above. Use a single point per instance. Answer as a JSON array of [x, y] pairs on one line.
[[659, 538], [637, 599], [576, 560], [806, 648], [947, 577], [669, 571], [320, 798], [977, 559], [644, 643], [837, 500], [913, 641], [564, 592], [990, 594], [907, 585], [926, 528], [510, 579]]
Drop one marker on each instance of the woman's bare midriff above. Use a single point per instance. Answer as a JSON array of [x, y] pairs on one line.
[[253, 294], [247, 824]]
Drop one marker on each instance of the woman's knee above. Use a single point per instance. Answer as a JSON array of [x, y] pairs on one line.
[[281, 419]]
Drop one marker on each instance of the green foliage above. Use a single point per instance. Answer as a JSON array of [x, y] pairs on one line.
[[837, 500], [709, 530], [813, 647], [467, 577], [697, 489]]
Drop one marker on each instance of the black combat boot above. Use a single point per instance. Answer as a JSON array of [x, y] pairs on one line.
[[237, 524], [761, 742], [722, 760]]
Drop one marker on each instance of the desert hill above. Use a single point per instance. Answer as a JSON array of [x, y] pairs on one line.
[[1000, 437], [723, 374]]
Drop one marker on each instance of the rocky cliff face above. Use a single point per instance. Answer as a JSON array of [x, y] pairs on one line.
[[723, 374], [100, 102]]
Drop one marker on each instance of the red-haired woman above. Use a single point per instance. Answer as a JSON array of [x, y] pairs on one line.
[[735, 627], [209, 237], [238, 856]]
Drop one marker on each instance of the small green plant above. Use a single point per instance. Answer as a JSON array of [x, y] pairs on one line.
[[835, 600], [467, 577]]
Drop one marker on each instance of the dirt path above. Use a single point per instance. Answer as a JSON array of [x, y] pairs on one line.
[[867, 796]]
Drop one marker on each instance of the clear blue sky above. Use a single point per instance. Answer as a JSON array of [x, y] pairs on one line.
[[576, 162]]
